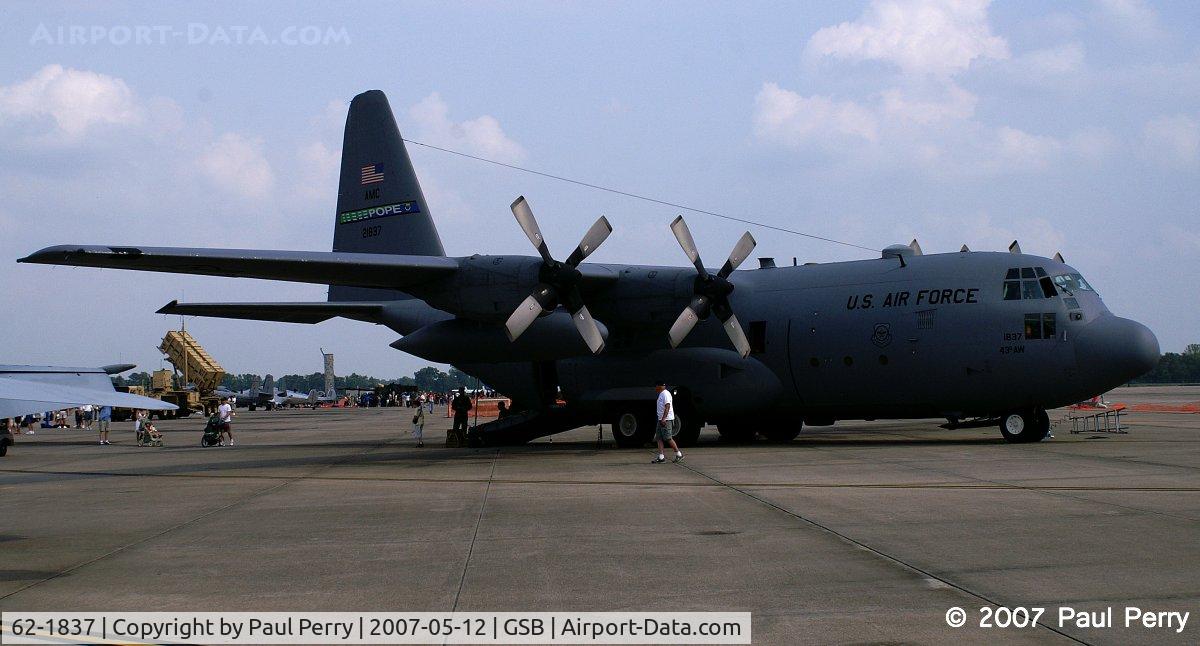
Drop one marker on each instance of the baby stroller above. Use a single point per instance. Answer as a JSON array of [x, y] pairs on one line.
[[147, 435], [212, 432]]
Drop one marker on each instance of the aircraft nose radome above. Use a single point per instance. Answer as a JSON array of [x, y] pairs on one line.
[[1116, 349]]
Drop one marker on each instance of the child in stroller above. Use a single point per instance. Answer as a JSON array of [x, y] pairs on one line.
[[212, 432], [147, 435]]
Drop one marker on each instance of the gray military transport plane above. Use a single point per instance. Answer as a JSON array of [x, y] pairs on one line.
[[904, 335]]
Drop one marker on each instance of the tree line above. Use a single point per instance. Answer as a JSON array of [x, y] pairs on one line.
[[428, 378], [1174, 368]]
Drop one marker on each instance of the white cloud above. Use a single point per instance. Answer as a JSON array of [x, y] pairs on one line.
[[1054, 61], [786, 117], [75, 99], [1093, 145], [953, 103], [1023, 151], [1173, 140], [938, 37], [319, 166], [481, 136], [236, 164], [1133, 17]]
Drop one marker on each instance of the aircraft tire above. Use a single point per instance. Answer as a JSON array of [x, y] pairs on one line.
[[631, 428], [3, 449], [1025, 425], [736, 433]]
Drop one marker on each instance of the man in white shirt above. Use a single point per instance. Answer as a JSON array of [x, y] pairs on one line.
[[664, 430], [225, 414]]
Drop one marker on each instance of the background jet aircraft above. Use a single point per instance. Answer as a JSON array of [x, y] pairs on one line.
[[902, 335], [248, 398], [27, 390]]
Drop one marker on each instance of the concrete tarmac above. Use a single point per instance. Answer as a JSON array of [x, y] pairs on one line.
[[864, 532]]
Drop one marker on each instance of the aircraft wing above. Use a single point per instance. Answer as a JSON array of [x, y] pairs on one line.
[[25, 390], [283, 312], [320, 267]]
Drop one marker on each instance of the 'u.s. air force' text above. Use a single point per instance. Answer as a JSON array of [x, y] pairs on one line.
[[948, 296]]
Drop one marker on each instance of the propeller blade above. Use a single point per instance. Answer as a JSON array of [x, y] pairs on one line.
[[964, 249], [916, 247], [588, 329], [1015, 247], [527, 312], [736, 335], [1058, 257], [684, 236], [687, 320], [591, 240], [529, 225], [745, 245]]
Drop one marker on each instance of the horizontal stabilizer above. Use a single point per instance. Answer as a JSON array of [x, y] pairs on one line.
[[323, 268], [282, 312]]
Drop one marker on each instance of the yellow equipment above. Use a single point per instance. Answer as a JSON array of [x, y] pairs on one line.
[[195, 366]]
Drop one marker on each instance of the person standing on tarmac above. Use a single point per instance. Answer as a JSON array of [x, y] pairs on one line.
[[105, 418], [664, 430], [461, 405], [418, 422], [225, 415]]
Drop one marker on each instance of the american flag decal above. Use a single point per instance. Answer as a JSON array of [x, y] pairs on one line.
[[372, 174]]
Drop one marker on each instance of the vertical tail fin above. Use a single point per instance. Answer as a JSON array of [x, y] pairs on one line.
[[380, 207], [255, 388]]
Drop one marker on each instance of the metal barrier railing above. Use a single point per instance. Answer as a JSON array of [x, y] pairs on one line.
[[1106, 420]]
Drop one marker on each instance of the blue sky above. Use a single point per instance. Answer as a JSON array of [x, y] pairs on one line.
[[1073, 127]]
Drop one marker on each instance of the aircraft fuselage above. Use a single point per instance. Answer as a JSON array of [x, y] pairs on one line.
[[934, 336]]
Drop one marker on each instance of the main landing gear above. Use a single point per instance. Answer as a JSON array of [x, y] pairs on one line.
[[1026, 425], [633, 426]]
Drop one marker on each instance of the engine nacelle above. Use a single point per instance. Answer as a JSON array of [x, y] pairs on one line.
[[459, 341]]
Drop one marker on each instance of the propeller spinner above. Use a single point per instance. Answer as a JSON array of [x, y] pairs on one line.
[[559, 281], [711, 291]]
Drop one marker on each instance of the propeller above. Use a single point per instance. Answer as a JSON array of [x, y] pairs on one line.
[[711, 291], [558, 281]]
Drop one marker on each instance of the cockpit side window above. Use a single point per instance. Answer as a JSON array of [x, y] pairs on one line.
[[1047, 286], [1070, 283]]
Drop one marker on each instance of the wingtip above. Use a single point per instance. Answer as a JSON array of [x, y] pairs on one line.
[[169, 308]]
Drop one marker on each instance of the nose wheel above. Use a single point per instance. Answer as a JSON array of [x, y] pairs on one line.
[[1029, 425]]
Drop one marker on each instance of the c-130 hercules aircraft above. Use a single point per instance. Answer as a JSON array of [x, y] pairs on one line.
[[905, 335]]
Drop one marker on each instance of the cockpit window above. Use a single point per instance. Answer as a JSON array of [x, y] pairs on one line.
[[1027, 283], [1070, 283], [1030, 289]]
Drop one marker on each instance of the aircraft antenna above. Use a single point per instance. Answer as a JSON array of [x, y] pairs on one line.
[[643, 197]]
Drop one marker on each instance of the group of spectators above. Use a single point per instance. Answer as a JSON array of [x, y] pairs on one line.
[[86, 417]]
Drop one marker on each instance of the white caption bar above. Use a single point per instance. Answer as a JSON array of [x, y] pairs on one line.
[[375, 628]]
